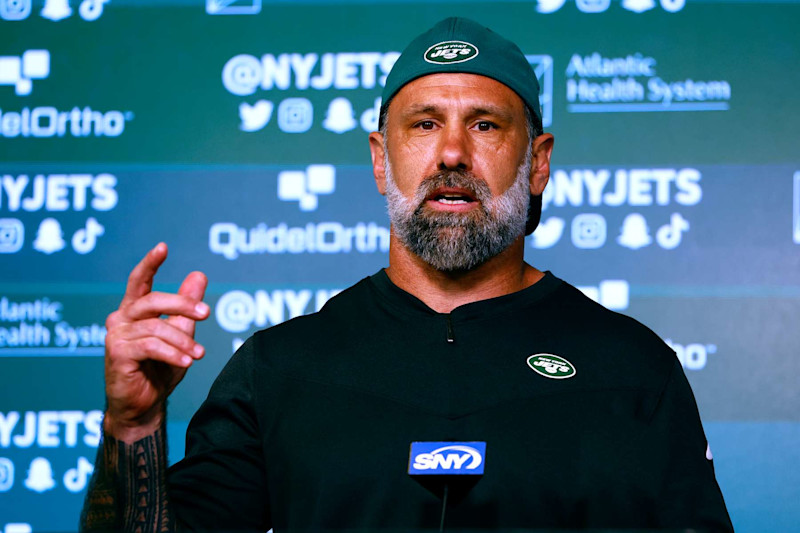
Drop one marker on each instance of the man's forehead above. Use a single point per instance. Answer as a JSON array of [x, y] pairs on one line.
[[460, 45], [436, 92]]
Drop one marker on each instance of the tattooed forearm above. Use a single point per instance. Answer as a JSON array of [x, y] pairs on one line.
[[128, 488]]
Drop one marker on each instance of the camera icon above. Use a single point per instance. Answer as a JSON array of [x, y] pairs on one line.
[[6, 474], [15, 9], [589, 231], [295, 115], [12, 235]]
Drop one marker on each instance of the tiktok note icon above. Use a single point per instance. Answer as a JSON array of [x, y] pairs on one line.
[[85, 239], [75, 479], [670, 235]]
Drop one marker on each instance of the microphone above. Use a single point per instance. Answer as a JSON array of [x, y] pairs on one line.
[[448, 469]]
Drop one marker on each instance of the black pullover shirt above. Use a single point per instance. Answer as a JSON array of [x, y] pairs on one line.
[[309, 425]]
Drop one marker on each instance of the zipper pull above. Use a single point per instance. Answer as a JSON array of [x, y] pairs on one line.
[[451, 337]]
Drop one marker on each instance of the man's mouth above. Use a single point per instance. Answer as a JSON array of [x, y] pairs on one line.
[[452, 197]]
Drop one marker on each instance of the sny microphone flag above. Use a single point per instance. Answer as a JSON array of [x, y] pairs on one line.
[[447, 458]]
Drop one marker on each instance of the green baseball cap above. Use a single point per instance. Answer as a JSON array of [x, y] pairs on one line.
[[462, 45]]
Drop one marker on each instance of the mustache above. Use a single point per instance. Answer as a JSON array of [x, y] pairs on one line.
[[449, 178]]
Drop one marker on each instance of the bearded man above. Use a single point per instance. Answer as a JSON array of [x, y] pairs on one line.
[[587, 417]]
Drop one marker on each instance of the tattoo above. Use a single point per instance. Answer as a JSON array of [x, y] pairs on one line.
[[128, 489]]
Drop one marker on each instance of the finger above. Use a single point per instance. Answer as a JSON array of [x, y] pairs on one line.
[[194, 286], [140, 281], [160, 329], [155, 304], [157, 350]]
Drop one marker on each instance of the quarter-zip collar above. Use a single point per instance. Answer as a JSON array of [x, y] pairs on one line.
[[403, 304]]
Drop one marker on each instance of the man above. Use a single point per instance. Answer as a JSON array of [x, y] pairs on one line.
[[587, 417]]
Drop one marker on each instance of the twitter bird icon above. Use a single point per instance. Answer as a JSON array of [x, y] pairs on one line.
[[255, 117], [549, 6], [548, 233]]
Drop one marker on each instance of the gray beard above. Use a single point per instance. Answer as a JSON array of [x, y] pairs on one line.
[[452, 242]]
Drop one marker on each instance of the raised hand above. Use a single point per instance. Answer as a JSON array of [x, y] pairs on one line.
[[147, 355]]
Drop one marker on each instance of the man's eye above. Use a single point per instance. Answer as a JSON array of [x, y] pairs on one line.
[[425, 124], [485, 126]]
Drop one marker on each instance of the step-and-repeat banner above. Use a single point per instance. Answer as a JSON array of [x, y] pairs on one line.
[[235, 130]]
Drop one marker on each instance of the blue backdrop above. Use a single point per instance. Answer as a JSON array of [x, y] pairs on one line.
[[235, 130]]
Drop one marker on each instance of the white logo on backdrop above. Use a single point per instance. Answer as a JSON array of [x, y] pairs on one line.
[[549, 6], [40, 476], [599, 6], [58, 192], [21, 71], [244, 74], [12, 235], [89, 10], [76, 479], [85, 239], [255, 117], [241, 75], [92, 9], [340, 116], [50, 429], [230, 240], [548, 233], [237, 311], [295, 115], [49, 237], [371, 117], [56, 10], [638, 6], [618, 189], [48, 121], [6, 474], [17, 527], [15, 9], [304, 186], [615, 188], [589, 231], [634, 233], [673, 6], [599, 84], [593, 6], [670, 235], [543, 68], [233, 7], [612, 294], [694, 355]]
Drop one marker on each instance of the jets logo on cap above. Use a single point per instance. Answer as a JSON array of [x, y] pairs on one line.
[[551, 366], [451, 52]]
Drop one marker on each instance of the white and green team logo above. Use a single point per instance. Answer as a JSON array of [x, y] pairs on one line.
[[551, 366], [451, 52]]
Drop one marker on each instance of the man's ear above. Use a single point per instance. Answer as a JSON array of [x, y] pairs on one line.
[[377, 152], [542, 148]]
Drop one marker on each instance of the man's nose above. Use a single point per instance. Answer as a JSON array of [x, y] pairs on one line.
[[455, 148]]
